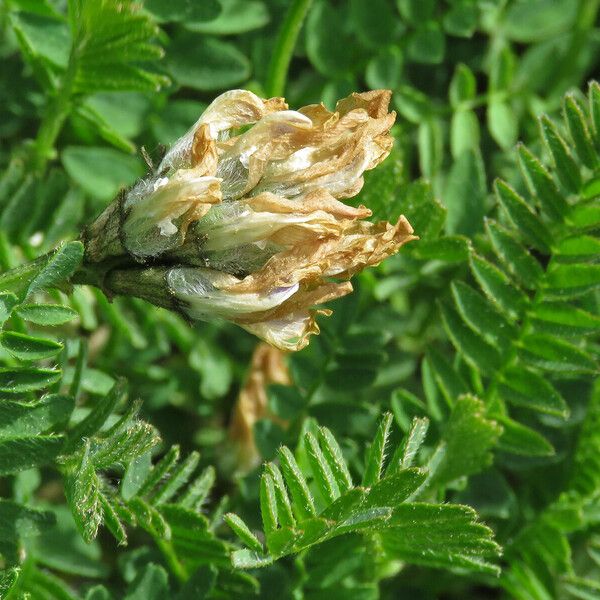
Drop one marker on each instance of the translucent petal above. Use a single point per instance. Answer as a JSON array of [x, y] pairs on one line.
[[158, 213], [200, 291]]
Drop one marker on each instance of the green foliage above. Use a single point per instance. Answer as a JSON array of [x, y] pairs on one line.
[[385, 507], [450, 407]]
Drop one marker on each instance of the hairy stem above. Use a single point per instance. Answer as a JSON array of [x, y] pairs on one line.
[[284, 47]]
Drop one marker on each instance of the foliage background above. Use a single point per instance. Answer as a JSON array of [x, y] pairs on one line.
[[487, 327]]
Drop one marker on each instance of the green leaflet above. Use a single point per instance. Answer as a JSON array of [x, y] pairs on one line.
[[235, 16], [151, 584], [49, 271], [20, 453], [27, 347], [584, 478], [530, 226], [376, 454], [482, 316], [18, 522], [498, 287], [562, 319], [116, 170], [478, 352], [27, 379], [542, 185], [110, 41], [556, 355], [571, 280], [8, 579], [524, 387], [469, 437], [514, 256], [42, 38], [367, 509], [183, 11], [566, 168], [46, 314], [83, 495], [447, 533], [520, 439], [28, 419], [60, 266], [206, 63]]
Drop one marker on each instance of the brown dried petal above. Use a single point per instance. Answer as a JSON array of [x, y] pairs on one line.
[[375, 102], [300, 302], [230, 110], [363, 244], [267, 367], [319, 199], [292, 153], [269, 218], [204, 151], [335, 163], [290, 332]]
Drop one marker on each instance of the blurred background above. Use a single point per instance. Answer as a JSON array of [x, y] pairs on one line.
[[468, 79]]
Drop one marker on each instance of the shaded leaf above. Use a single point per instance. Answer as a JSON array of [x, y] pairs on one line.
[[526, 221], [205, 63], [523, 387], [46, 314], [27, 347], [26, 379], [520, 439], [475, 350]]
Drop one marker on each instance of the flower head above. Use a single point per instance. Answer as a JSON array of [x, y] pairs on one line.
[[243, 218]]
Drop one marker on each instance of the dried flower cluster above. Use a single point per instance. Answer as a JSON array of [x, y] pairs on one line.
[[242, 219], [266, 367]]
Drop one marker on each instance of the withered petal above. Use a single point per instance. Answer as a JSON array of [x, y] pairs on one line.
[[302, 301], [157, 219], [248, 222], [290, 333], [230, 110], [204, 156], [375, 102], [270, 218], [362, 244], [267, 366], [319, 199]]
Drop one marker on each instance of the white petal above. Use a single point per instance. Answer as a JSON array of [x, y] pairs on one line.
[[231, 109], [199, 289]]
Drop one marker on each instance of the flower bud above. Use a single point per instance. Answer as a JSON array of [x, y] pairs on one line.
[[242, 219]]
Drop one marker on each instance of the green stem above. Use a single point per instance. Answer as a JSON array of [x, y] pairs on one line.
[[178, 570], [54, 118], [50, 128], [284, 47]]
